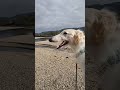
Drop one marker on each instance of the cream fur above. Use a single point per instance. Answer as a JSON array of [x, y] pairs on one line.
[[76, 40]]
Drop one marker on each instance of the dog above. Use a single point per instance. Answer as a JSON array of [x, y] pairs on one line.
[[72, 37], [102, 41], [76, 40], [101, 31]]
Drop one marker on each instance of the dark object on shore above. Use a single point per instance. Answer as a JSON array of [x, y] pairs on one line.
[[67, 57]]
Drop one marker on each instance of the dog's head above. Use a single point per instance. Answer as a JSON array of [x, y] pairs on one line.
[[99, 25], [69, 36]]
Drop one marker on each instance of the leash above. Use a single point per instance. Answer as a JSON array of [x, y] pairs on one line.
[[77, 55], [76, 88]]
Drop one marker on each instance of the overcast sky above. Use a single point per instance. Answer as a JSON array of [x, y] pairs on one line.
[[50, 14], [58, 14]]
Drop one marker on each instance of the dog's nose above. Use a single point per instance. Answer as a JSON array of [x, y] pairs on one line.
[[50, 40]]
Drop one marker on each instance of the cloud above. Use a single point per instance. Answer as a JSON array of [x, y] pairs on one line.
[[59, 13]]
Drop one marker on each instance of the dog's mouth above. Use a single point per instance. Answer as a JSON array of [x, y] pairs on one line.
[[63, 44]]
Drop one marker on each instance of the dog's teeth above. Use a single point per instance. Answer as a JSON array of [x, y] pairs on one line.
[[58, 47]]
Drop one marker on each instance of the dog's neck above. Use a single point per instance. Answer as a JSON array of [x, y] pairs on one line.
[[79, 49], [82, 51]]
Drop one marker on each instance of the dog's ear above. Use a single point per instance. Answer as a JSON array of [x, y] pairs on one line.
[[109, 21], [78, 36], [104, 25]]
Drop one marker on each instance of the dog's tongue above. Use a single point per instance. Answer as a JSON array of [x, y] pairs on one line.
[[62, 44]]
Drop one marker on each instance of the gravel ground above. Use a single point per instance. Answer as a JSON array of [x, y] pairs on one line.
[[55, 69]]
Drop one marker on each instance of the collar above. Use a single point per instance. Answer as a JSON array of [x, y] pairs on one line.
[[80, 52]]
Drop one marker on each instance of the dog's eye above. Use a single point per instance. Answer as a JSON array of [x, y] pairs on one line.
[[65, 33]]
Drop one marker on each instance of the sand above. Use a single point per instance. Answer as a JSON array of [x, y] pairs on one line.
[[17, 63], [55, 69]]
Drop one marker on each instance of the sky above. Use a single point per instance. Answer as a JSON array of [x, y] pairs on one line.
[[59, 14], [50, 14], [54, 15]]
